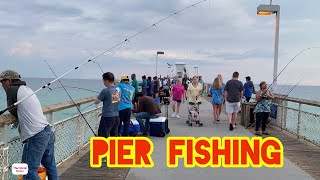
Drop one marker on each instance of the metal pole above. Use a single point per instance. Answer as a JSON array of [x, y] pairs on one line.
[[276, 49]]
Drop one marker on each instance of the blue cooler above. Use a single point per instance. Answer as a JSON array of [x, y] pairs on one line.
[[159, 127], [133, 128]]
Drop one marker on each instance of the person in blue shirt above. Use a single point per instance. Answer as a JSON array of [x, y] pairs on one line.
[[217, 99], [144, 85], [248, 88], [125, 105], [110, 96]]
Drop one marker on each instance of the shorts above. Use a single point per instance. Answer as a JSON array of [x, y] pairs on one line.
[[232, 107], [178, 101], [191, 103]]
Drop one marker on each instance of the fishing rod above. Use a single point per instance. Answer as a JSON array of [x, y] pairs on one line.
[[94, 58], [84, 118], [290, 63]]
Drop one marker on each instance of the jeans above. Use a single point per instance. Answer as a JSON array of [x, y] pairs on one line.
[[262, 118], [147, 116], [124, 116], [40, 149], [108, 126]]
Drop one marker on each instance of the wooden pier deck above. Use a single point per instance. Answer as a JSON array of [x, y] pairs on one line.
[[301, 159]]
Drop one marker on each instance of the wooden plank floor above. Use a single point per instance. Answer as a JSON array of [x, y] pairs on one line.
[[81, 170], [303, 154]]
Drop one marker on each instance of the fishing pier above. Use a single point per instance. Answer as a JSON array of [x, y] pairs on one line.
[[296, 128]]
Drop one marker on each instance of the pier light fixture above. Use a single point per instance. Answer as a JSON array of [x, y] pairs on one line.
[[267, 10]]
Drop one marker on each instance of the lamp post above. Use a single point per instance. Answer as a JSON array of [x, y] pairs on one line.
[[159, 52], [267, 10]]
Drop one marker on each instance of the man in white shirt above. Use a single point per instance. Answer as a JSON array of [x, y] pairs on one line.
[[34, 129]]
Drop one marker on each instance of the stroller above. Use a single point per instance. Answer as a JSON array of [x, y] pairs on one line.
[[194, 115]]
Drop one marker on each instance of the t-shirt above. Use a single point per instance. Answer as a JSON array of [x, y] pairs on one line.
[[193, 92], [234, 88], [110, 97], [144, 86], [150, 88], [177, 92], [217, 97], [248, 88], [156, 84], [135, 85], [29, 112], [127, 95]]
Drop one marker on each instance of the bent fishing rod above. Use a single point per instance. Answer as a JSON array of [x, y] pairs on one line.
[[290, 63], [71, 99], [94, 58]]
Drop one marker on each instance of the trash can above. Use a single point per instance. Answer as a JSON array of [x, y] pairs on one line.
[[247, 115]]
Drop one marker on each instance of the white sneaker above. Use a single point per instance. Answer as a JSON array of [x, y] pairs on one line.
[[177, 116], [234, 126], [174, 115]]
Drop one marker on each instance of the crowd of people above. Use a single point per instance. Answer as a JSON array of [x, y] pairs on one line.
[[121, 100]]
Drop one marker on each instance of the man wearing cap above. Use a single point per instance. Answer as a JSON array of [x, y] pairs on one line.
[[34, 129], [125, 104], [248, 88]]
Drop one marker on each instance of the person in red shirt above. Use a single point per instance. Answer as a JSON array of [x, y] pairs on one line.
[[177, 95]]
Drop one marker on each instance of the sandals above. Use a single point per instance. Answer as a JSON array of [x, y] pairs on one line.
[[257, 134], [266, 133]]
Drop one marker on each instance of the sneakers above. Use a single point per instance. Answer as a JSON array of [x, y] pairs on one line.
[[174, 115], [177, 116], [231, 127], [234, 126]]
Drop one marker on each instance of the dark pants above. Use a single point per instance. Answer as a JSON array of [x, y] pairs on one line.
[[124, 116], [248, 99], [40, 149], [144, 128], [262, 118], [108, 126]]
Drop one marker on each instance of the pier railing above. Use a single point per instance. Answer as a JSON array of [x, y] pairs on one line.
[[300, 117], [72, 134]]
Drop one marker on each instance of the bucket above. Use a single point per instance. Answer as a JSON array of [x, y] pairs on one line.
[[42, 173]]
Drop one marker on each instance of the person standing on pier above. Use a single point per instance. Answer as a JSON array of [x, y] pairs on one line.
[[156, 84], [177, 96], [125, 105], [194, 92], [263, 108], [34, 129], [144, 85], [136, 87], [110, 96], [248, 88], [233, 95], [150, 89], [217, 99]]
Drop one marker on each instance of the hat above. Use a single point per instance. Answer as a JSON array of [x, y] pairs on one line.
[[248, 77], [124, 77], [9, 74]]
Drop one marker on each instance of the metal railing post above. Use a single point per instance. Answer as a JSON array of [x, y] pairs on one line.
[[299, 121], [51, 120], [97, 117], [79, 132], [5, 153]]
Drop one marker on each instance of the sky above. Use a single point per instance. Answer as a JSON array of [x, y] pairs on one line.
[[218, 36]]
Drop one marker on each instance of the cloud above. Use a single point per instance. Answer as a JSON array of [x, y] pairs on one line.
[[27, 49]]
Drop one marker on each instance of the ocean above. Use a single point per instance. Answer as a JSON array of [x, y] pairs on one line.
[[58, 95]]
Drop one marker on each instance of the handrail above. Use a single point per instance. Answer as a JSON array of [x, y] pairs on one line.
[[9, 119]]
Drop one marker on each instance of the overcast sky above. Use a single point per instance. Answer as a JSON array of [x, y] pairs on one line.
[[218, 36]]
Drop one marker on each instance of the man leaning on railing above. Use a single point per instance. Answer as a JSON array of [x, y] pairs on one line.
[[34, 129]]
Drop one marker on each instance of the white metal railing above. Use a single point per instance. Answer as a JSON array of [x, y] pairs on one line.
[[72, 134]]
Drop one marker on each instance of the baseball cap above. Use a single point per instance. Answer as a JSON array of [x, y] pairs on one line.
[[9, 74], [124, 77]]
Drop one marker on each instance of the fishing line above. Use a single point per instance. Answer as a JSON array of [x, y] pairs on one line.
[[286, 95], [94, 58], [89, 90], [290, 63], [71, 99]]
